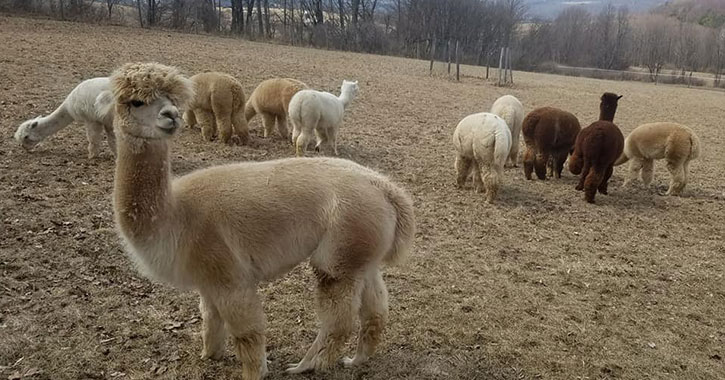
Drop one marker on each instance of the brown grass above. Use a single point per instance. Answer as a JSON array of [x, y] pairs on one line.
[[541, 285]]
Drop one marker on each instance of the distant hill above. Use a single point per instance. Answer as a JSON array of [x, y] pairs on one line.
[[709, 13], [549, 9]]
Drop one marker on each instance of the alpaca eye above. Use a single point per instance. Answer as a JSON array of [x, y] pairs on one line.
[[136, 103]]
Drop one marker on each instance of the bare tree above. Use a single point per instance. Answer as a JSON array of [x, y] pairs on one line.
[[238, 17]]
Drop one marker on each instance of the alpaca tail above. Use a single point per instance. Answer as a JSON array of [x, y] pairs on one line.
[[249, 111], [502, 145], [404, 225], [622, 158]]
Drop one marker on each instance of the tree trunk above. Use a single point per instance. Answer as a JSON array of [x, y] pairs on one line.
[[432, 55], [341, 8], [259, 17], [237, 17], [62, 11], [140, 14], [448, 50], [458, 64]]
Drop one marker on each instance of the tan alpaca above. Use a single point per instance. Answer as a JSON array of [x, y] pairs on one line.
[[675, 143], [271, 99], [218, 104], [222, 230]]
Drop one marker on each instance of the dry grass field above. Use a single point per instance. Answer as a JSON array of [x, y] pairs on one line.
[[540, 285]]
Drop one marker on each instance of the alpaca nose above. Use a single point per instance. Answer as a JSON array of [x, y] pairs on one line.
[[171, 113]]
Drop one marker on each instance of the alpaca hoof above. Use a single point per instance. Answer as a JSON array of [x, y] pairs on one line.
[[300, 367], [579, 188], [212, 356], [605, 192], [235, 140], [348, 362]]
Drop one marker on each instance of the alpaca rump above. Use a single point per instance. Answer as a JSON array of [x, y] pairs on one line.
[[90, 103], [675, 143], [511, 111], [320, 114], [549, 135], [482, 142], [224, 229], [218, 106], [271, 100], [596, 149]]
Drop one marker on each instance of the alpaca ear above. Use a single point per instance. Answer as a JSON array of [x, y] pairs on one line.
[[620, 97]]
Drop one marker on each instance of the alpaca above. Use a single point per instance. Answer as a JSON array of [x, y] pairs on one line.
[[224, 229], [511, 111], [483, 142], [549, 135], [319, 113], [90, 103], [675, 143], [218, 103], [271, 99], [596, 149]]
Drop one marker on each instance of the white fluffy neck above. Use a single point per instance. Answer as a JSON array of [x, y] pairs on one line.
[[59, 119], [346, 97]]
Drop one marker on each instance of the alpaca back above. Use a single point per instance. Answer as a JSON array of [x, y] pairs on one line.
[[550, 128], [273, 96], [214, 89], [310, 108], [82, 101], [511, 111], [601, 143], [484, 137]]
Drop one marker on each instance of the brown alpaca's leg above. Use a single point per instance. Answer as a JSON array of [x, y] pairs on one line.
[[647, 172], [635, 165], [605, 181], [338, 299], [373, 316], [282, 126], [94, 132], [110, 138], [559, 159], [463, 169], [540, 163], [585, 172], [677, 181], [242, 311], [528, 162], [268, 123], [592, 182], [213, 332], [208, 124]]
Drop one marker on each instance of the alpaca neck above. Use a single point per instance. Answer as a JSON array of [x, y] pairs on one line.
[[54, 122], [607, 115], [142, 189], [346, 98]]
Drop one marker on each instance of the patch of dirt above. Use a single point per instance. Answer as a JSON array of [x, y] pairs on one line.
[[540, 285]]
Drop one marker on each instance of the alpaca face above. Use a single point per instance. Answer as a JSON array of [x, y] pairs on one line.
[[158, 119], [350, 87], [28, 134]]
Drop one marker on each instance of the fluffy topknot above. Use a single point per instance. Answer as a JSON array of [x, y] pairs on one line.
[[147, 82]]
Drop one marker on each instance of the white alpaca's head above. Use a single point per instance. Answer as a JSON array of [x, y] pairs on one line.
[[350, 88], [28, 134], [149, 99]]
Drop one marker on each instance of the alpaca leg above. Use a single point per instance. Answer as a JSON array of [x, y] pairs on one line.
[[635, 165], [301, 143], [110, 138], [583, 177], [282, 126], [540, 163], [94, 131], [332, 140], [477, 178], [677, 180], [241, 128], [558, 164], [295, 133], [550, 163], [513, 159], [592, 182], [647, 172], [189, 118], [528, 162], [213, 331], [463, 169], [208, 124], [338, 299], [605, 181], [268, 122], [224, 124], [373, 317], [242, 312], [491, 178]]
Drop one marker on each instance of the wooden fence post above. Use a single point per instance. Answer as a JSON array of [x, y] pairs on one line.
[[448, 49], [500, 67], [432, 55], [458, 64]]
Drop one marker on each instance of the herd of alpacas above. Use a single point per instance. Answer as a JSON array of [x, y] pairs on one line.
[[222, 230]]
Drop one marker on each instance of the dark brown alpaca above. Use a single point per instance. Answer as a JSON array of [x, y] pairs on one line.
[[596, 149], [549, 134]]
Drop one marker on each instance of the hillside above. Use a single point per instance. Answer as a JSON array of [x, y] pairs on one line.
[[709, 13], [551, 8]]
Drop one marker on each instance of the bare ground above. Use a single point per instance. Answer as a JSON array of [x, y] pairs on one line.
[[540, 285]]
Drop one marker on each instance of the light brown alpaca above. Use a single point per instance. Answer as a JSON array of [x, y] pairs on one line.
[[222, 230], [218, 104], [271, 99], [675, 143]]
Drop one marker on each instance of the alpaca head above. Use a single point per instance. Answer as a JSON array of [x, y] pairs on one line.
[[350, 88], [608, 106], [148, 99], [28, 134]]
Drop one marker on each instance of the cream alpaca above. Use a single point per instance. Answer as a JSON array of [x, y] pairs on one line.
[[675, 143], [218, 104], [271, 99], [319, 113], [224, 229], [483, 142], [511, 111], [90, 103]]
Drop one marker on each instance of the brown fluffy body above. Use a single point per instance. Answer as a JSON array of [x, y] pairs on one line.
[[222, 230], [596, 149], [549, 135], [218, 107], [271, 100], [672, 142]]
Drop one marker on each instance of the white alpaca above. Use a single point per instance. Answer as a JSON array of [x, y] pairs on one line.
[[319, 113], [89, 103], [511, 111], [224, 229], [483, 142], [675, 143]]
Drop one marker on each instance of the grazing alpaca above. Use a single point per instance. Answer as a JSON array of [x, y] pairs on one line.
[[222, 230], [218, 103], [675, 143], [319, 113], [549, 135], [597, 148], [483, 142], [271, 99], [511, 111], [89, 103]]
